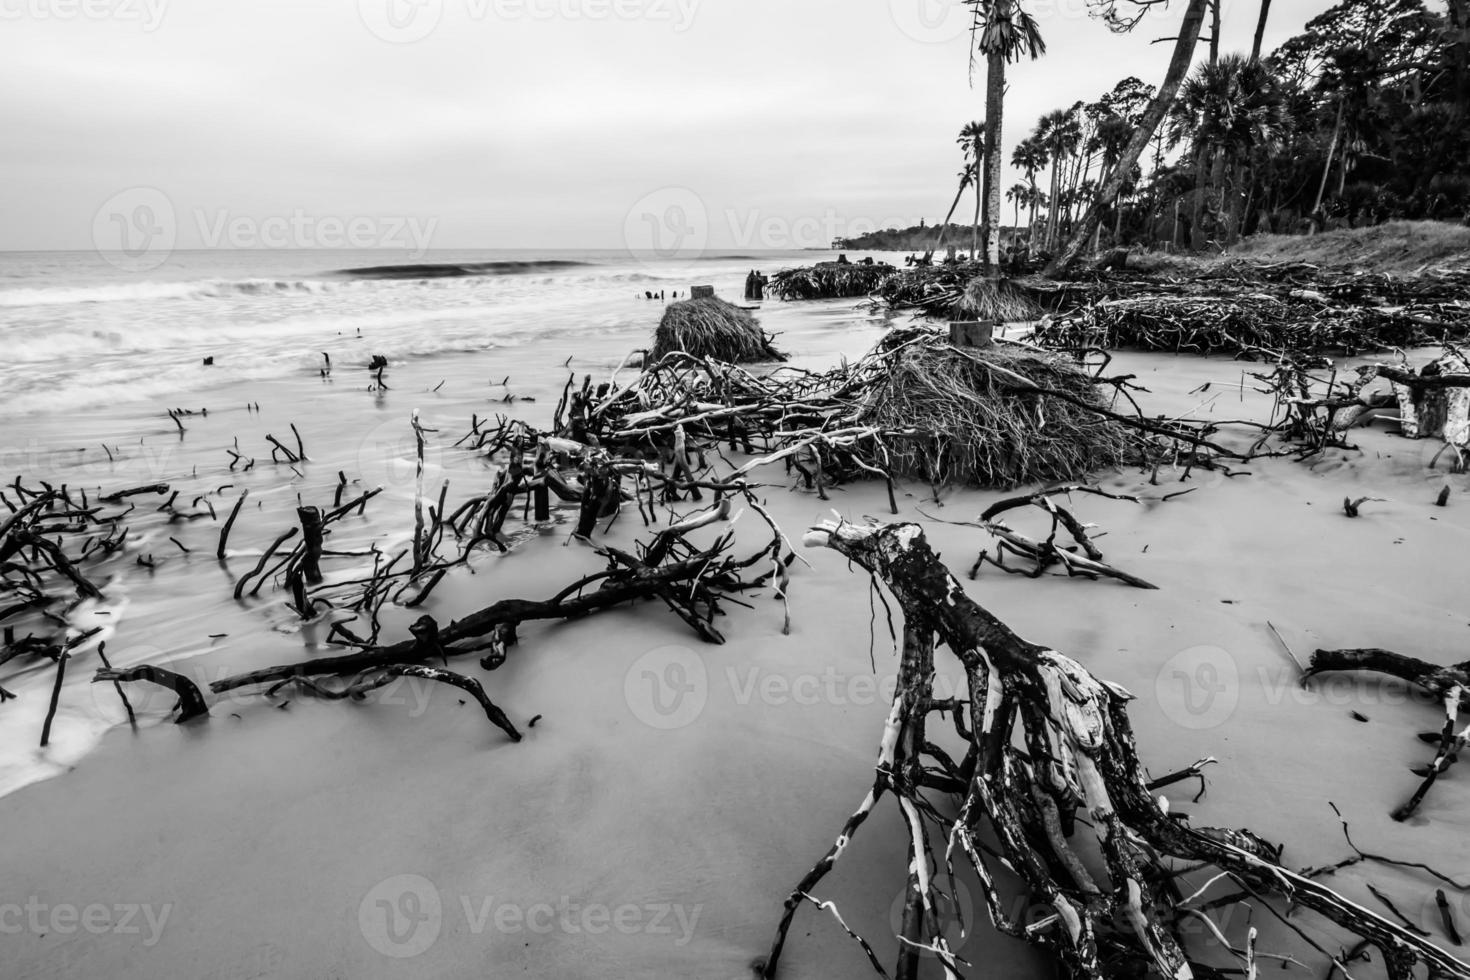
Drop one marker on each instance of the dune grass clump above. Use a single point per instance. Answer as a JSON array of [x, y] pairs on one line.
[[711, 327], [974, 417], [830, 280]]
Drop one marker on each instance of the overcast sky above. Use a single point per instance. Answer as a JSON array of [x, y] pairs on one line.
[[518, 123]]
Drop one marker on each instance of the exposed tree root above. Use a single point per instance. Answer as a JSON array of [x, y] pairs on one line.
[[1079, 752], [1082, 558], [191, 702], [691, 580], [359, 687]]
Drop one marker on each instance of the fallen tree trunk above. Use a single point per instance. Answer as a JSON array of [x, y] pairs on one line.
[[1079, 752]]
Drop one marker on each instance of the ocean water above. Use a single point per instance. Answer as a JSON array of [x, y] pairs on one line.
[[94, 357], [79, 331]]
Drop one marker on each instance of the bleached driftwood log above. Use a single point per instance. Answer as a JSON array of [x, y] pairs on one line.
[[1436, 410]]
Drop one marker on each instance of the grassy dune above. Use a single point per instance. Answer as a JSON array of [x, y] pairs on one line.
[[1398, 246]]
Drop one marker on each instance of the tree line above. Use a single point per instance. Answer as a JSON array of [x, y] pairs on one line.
[[1363, 117]]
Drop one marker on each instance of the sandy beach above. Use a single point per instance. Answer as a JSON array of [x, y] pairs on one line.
[[672, 792]]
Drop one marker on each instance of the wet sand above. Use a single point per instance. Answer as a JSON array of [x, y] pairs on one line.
[[672, 793]]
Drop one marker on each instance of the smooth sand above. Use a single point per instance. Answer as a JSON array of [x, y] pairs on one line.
[[603, 846]]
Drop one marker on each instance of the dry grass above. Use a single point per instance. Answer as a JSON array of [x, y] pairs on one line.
[[711, 327], [1397, 246], [975, 424]]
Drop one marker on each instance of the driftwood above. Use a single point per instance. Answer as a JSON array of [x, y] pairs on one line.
[[1079, 753], [692, 581], [191, 702], [359, 687], [1449, 685], [1081, 558]]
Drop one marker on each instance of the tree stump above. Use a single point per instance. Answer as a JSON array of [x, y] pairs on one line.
[[972, 333]]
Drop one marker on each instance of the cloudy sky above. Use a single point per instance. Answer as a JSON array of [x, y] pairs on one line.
[[518, 123]]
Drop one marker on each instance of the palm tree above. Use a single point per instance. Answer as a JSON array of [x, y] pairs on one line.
[[1017, 194], [1058, 132], [1109, 139], [1351, 73], [1006, 34], [1227, 111], [1260, 30], [972, 139], [1030, 156], [1184, 45], [967, 176]]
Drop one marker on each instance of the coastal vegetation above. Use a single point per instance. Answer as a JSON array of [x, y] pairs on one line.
[[1362, 118]]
